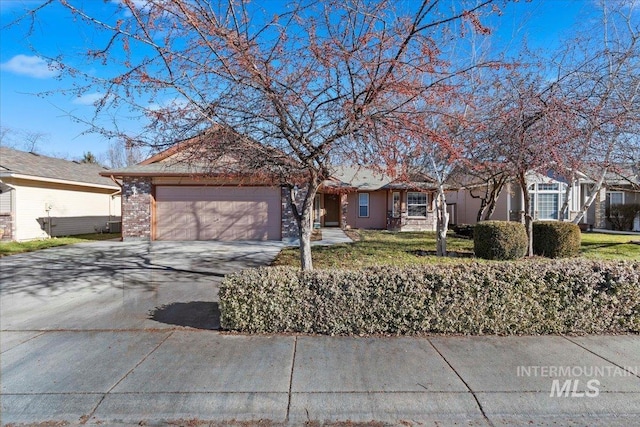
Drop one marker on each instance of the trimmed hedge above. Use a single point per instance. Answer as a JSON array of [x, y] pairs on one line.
[[555, 239], [526, 297], [622, 217], [464, 230], [500, 240]]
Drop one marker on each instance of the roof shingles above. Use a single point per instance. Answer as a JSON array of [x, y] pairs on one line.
[[36, 165]]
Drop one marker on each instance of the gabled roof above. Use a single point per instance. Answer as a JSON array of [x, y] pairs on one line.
[[217, 151], [22, 164]]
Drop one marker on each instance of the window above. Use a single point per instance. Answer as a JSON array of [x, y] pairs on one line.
[[316, 210], [396, 205], [546, 200], [548, 187], [363, 204], [417, 204], [547, 206], [615, 198]]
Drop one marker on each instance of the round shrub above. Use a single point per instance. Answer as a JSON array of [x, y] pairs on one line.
[[500, 240], [554, 239]]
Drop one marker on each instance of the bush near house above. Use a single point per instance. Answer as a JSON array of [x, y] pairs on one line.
[[525, 297], [621, 217], [499, 240], [554, 239], [463, 230]]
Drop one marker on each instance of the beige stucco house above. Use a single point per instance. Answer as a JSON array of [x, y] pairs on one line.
[[42, 197]]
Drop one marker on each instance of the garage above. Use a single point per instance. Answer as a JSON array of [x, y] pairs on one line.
[[217, 213]]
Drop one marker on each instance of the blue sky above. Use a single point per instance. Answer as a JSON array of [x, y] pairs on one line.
[[24, 77]]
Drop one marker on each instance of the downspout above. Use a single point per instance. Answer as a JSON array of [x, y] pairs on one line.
[[14, 217], [112, 195]]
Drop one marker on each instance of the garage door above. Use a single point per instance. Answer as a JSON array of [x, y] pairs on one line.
[[217, 213]]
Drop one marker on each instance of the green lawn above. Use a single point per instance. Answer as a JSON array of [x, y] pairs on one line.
[[388, 248], [11, 248], [610, 246]]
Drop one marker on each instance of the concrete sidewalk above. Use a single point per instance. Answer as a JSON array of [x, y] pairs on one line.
[[154, 377]]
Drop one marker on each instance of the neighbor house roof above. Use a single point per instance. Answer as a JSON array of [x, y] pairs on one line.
[[362, 178], [617, 174], [356, 177], [27, 165]]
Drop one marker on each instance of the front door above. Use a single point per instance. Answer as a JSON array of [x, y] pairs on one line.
[[332, 210]]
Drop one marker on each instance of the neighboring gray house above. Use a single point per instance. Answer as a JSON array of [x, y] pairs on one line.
[[43, 196], [622, 187], [547, 197]]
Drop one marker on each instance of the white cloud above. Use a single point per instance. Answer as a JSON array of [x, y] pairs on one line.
[[88, 98], [32, 66], [18, 5]]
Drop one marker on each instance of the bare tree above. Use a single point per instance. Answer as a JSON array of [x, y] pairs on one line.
[[6, 137], [306, 81], [122, 153], [32, 139], [602, 75]]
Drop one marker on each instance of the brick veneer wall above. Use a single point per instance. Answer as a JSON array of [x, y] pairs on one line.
[[136, 209], [6, 223]]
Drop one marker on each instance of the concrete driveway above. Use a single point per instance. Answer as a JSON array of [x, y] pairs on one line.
[[113, 285]]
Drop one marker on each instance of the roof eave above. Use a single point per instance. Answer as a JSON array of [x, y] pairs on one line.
[[4, 174]]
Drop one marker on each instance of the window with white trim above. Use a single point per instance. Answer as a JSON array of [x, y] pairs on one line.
[[546, 200], [363, 205], [417, 204]]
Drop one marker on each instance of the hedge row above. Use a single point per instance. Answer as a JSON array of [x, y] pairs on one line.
[[533, 297]]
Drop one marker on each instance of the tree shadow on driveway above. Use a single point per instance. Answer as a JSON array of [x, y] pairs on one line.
[[194, 314]]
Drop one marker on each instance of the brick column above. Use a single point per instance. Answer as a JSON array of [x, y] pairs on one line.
[[343, 211], [136, 209], [600, 217], [290, 229], [289, 225]]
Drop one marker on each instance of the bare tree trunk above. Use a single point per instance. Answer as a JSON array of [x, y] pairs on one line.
[[594, 192], [528, 219], [567, 198], [303, 218], [305, 228], [442, 222], [489, 200], [483, 203], [493, 198], [491, 208]]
